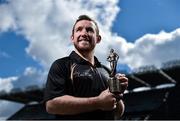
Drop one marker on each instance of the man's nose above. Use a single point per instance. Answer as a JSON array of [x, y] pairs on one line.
[[84, 32]]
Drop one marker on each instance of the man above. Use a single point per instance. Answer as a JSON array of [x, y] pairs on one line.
[[77, 85]]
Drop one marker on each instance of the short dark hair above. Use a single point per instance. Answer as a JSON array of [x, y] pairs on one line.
[[85, 17]]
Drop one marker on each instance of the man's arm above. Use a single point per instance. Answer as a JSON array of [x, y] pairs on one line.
[[69, 105]]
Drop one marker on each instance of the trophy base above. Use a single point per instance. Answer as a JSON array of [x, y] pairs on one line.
[[114, 85]]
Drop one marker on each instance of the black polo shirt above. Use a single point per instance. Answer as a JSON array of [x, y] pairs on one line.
[[75, 76]]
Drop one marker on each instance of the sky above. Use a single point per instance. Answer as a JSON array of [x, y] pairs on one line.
[[35, 33]]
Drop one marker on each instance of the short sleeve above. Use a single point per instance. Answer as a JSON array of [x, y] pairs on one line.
[[55, 85]]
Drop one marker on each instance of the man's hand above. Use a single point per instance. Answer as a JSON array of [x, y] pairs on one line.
[[123, 81], [106, 100]]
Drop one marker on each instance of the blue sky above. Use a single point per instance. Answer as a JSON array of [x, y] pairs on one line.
[[14, 60], [138, 17], [143, 32]]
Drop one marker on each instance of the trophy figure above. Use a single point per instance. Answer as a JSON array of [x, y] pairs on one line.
[[114, 83]]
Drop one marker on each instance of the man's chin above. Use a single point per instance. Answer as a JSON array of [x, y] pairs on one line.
[[84, 49]]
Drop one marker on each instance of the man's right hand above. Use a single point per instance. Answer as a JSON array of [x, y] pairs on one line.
[[106, 100]]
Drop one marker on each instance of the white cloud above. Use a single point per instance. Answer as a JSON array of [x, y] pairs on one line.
[[7, 18], [6, 83], [31, 76], [154, 49], [47, 25]]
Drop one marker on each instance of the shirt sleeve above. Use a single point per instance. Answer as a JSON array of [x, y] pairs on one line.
[[55, 85]]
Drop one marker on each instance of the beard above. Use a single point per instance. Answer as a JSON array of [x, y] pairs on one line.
[[84, 47]]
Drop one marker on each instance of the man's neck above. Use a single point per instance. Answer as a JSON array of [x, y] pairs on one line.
[[88, 56]]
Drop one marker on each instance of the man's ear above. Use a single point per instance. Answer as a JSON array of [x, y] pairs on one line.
[[98, 39], [72, 38]]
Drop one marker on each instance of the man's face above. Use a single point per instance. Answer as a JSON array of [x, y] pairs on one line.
[[85, 36]]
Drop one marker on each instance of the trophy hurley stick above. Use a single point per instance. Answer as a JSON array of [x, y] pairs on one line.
[[114, 83]]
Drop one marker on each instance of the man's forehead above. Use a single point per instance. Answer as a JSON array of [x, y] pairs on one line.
[[85, 23]]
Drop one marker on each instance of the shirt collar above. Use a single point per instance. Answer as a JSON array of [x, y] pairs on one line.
[[78, 59]]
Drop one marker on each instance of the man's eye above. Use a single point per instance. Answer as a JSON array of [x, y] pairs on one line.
[[90, 30], [78, 29]]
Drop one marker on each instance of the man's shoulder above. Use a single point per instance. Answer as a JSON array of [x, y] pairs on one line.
[[67, 58], [61, 64], [64, 60]]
